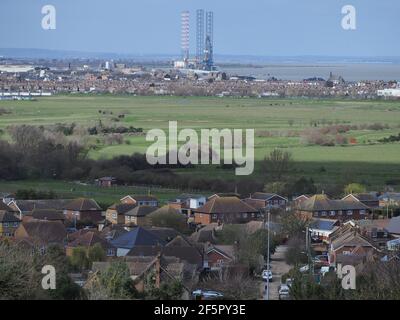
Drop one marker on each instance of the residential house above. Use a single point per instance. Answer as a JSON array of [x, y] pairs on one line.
[[224, 195], [217, 257], [23, 207], [116, 213], [205, 234], [83, 209], [136, 237], [393, 227], [151, 272], [266, 201], [137, 216], [321, 229], [320, 206], [6, 197], [106, 182], [40, 234], [141, 200], [9, 223], [187, 203], [376, 231], [389, 199], [348, 245], [179, 247], [87, 239], [44, 214], [371, 200], [226, 210], [299, 199]]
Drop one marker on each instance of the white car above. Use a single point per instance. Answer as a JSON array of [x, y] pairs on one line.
[[207, 294], [267, 275], [284, 292]]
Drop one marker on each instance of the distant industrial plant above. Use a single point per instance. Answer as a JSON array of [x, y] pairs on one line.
[[204, 57]]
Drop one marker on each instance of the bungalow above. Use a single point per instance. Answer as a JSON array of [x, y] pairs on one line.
[[266, 201], [116, 213], [226, 210], [8, 224], [141, 200], [320, 206], [83, 209], [371, 200]]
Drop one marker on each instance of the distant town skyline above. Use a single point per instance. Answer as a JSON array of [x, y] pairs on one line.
[[252, 27]]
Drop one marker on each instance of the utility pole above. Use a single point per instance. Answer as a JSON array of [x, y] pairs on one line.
[[268, 219]]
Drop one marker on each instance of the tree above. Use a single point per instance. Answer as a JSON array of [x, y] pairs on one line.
[[96, 253], [167, 217], [79, 259], [301, 186], [116, 281], [354, 188], [277, 163], [171, 290]]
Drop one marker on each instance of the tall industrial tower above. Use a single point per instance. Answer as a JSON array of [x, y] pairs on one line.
[[200, 35], [209, 44], [185, 35]]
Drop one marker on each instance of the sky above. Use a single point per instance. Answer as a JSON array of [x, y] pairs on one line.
[[241, 27]]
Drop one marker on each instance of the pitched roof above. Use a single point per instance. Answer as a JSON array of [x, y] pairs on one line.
[[4, 207], [351, 239], [394, 225], [166, 210], [45, 231], [265, 196], [187, 196], [228, 205], [140, 211], [122, 208], [89, 239], [141, 197], [323, 224], [83, 204], [46, 214], [6, 216], [136, 237], [321, 202], [29, 205]]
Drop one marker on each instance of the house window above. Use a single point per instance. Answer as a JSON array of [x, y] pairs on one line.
[[110, 252], [324, 213], [114, 216], [346, 253], [349, 212], [245, 215], [5, 224], [214, 216], [363, 212], [16, 224], [333, 213], [253, 215]]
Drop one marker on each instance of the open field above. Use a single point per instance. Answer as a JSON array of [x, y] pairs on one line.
[[365, 161]]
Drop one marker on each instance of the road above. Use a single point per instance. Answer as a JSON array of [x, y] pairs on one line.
[[279, 268]]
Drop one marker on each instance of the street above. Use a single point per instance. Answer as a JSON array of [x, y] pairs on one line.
[[279, 268]]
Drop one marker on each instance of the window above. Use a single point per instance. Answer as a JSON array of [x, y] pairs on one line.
[[214, 216], [114, 216], [110, 252], [333, 213], [253, 215], [5, 224], [346, 253], [349, 212], [324, 213], [363, 212], [16, 224], [244, 215]]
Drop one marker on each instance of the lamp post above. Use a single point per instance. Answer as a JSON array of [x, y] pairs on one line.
[[268, 219]]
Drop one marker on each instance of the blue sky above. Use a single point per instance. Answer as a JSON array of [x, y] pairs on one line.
[[251, 27]]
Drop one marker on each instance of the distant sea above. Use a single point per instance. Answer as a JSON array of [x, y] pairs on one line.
[[295, 72]]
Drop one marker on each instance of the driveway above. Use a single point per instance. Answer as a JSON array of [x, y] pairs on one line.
[[279, 268]]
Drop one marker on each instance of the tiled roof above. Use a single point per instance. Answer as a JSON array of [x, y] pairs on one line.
[[29, 205], [83, 204], [323, 224], [140, 211], [122, 208], [228, 205], [4, 207], [46, 231], [321, 202], [46, 214], [136, 237], [142, 197]]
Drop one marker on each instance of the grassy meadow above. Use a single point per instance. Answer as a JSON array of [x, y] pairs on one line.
[[277, 123]]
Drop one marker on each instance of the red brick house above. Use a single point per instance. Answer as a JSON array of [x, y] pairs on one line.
[[83, 209], [226, 210], [320, 206], [260, 200], [217, 257], [140, 200]]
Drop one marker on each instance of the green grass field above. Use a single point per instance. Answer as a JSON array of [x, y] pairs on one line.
[[367, 161]]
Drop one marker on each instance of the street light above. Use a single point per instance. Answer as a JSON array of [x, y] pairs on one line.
[[268, 219]]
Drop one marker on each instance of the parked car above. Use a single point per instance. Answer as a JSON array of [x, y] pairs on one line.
[[284, 292], [289, 282], [267, 275], [207, 295], [304, 268]]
